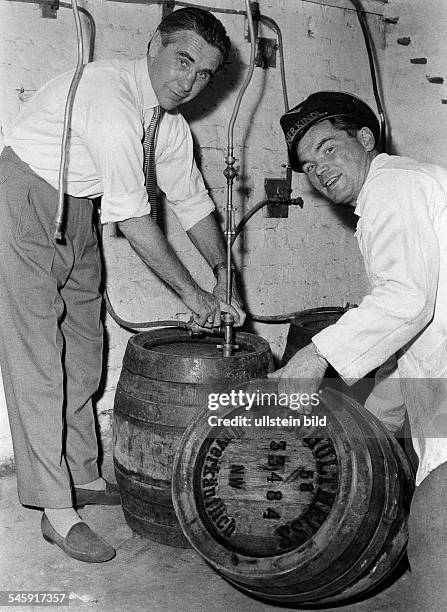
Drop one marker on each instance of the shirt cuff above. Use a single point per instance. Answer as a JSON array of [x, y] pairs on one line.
[[191, 211], [324, 342], [124, 206]]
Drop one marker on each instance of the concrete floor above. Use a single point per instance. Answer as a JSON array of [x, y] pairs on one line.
[[144, 576]]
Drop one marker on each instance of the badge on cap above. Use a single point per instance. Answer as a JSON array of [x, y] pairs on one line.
[[297, 127]]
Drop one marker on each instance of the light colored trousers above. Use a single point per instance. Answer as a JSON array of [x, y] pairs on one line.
[[51, 335]]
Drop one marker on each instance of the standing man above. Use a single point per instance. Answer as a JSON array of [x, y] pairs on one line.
[[402, 234], [50, 329]]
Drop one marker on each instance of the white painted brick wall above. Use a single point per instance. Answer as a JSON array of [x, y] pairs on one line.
[[416, 112], [310, 259]]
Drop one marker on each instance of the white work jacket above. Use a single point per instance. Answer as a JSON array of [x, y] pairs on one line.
[[402, 234]]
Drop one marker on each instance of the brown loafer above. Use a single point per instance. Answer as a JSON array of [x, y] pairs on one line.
[[81, 542], [110, 496]]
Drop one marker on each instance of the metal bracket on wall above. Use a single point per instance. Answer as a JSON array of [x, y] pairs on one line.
[[266, 53], [277, 188], [49, 9]]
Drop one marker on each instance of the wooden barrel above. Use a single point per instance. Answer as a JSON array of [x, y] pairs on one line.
[[165, 381], [306, 325], [294, 509], [301, 331]]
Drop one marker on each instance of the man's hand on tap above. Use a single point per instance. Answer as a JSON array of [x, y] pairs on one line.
[[206, 308], [220, 291]]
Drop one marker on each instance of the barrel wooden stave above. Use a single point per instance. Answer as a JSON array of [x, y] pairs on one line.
[[157, 397]]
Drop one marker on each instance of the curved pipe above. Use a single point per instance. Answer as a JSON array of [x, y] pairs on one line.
[[258, 206], [58, 233], [91, 47], [212, 9], [281, 318], [86, 13], [131, 325], [286, 318], [272, 23], [246, 82], [363, 24]]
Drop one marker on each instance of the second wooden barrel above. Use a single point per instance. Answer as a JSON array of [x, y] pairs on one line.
[[306, 325], [166, 379], [294, 509]]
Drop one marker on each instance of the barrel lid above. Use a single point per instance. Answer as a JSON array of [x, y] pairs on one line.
[[290, 512], [174, 355], [265, 482]]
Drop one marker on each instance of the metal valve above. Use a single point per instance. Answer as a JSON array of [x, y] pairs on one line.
[[228, 346]]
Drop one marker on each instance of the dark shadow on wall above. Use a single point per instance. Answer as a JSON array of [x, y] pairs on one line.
[[224, 84]]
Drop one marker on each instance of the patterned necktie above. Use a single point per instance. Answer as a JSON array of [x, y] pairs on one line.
[[149, 143]]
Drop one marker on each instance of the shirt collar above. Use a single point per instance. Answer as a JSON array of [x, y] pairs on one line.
[[147, 94], [376, 163]]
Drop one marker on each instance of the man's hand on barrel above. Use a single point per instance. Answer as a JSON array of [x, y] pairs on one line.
[[302, 374]]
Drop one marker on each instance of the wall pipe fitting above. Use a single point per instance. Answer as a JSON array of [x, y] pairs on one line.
[[289, 201]]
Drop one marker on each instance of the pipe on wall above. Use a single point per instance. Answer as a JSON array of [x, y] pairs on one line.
[[59, 221]]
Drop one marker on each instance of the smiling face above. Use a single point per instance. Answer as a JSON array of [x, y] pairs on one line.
[[336, 163], [180, 69]]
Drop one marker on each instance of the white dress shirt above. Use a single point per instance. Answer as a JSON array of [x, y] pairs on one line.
[[402, 234], [113, 106]]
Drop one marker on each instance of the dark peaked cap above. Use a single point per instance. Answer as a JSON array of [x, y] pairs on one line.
[[319, 106]]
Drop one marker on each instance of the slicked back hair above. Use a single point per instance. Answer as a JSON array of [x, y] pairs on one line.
[[199, 21]]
